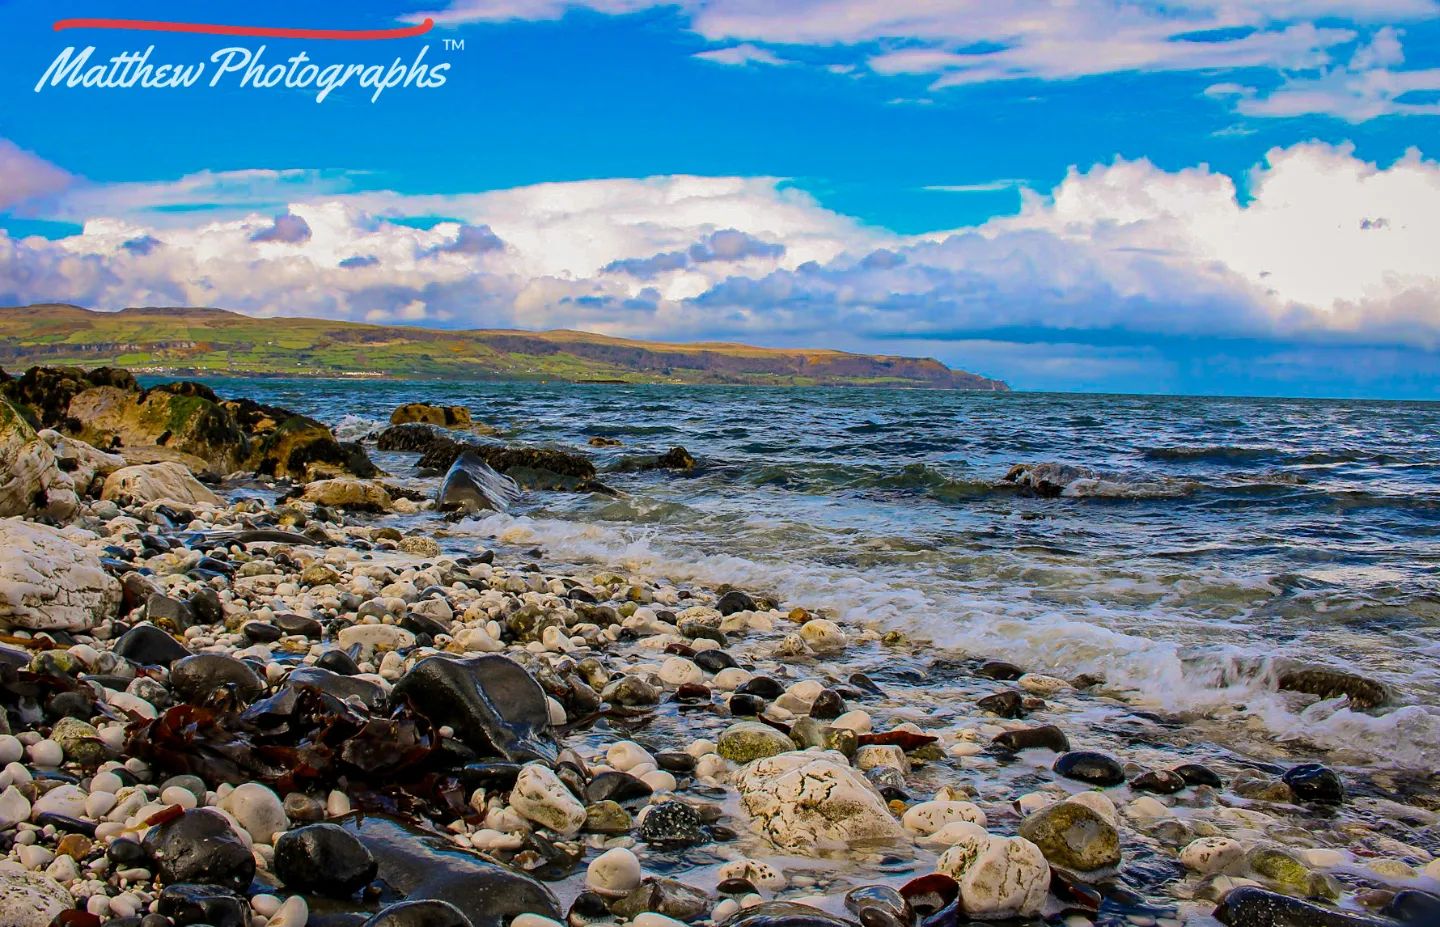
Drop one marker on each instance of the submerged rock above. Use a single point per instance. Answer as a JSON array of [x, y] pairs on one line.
[[1327, 682], [491, 702], [1312, 782], [472, 486], [1250, 906], [1073, 836], [1091, 767]]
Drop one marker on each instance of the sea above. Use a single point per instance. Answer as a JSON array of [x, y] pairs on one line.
[[1225, 539]]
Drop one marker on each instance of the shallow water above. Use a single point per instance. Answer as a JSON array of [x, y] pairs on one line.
[[1232, 532]]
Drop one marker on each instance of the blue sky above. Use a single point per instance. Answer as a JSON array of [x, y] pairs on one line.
[[1086, 197]]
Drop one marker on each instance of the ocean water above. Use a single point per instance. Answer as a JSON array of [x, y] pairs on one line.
[[1228, 537]]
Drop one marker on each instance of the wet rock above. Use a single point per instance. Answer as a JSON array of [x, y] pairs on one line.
[[49, 582], [170, 614], [927, 817], [191, 903], [1414, 907], [80, 741], [1159, 781], [751, 740], [1327, 682], [424, 866], [291, 623], [1073, 836], [258, 810], [1196, 774], [806, 802], [1285, 871], [713, 661], [735, 601], [471, 485], [1312, 782], [302, 449], [785, 914], [200, 846], [998, 669], [419, 914], [1251, 906], [159, 482], [1209, 855], [1045, 737], [879, 906], [614, 873], [323, 858], [493, 704], [631, 692], [540, 796], [998, 877], [338, 662], [195, 677], [607, 817], [616, 786], [671, 824], [1004, 704], [664, 896], [1088, 766], [443, 416], [342, 687]]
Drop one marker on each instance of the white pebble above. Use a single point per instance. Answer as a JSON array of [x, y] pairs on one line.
[[336, 804], [106, 782], [293, 913], [265, 905], [176, 795], [11, 749], [46, 753], [614, 873], [626, 755]]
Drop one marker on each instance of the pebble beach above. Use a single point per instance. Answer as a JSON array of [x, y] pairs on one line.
[[252, 679]]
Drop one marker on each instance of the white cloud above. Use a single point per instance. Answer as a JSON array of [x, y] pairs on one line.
[[960, 42], [27, 176], [742, 54], [1322, 248]]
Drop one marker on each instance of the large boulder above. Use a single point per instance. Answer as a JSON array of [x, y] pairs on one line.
[[47, 391], [31, 899], [31, 481], [531, 467], [161, 482], [181, 416], [83, 462], [50, 582], [348, 493], [302, 449], [444, 416], [807, 802], [473, 486]]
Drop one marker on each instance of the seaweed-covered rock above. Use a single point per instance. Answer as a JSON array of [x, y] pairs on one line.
[[48, 581], [300, 448], [1073, 836], [444, 416]]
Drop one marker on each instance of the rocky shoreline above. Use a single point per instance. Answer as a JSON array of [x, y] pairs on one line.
[[248, 681]]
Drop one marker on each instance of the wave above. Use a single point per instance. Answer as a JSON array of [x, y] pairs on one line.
[[1058, 479], [358, 428], [1218, 452], [1167, 675]]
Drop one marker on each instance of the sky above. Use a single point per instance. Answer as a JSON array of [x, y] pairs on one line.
[[1205, 196]]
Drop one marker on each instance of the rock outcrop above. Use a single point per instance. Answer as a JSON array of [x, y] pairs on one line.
[[31, 481], [160, 482]]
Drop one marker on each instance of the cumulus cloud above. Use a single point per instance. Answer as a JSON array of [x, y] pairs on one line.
[[976, 41], [1313, 247], [287, 228], [27, 176]]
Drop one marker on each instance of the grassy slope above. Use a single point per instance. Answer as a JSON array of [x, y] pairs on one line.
[[213, 341]]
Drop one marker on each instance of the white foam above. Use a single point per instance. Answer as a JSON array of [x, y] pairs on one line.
[[1163, 673]]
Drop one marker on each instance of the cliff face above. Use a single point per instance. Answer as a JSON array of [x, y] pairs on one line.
[[217, 342]]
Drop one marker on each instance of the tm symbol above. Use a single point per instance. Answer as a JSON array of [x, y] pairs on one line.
[[454, 44]]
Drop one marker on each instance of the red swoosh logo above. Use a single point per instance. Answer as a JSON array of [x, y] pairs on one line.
[[264, 32]]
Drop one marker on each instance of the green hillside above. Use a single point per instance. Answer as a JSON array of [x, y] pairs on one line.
[[188, 341]]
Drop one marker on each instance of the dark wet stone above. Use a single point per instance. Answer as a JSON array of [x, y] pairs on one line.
[[341, 687], [785, 914], [195, 677], [882, 897], [699, 630], [200, 846], [258, 632], [323, 858], [126, 853], [189, 903], [675, 762], [671, 824], [763, 686], [693, 693], [338, 661], [1047, 736], [1312, 782], [149, 645], [735, 601], [472, 485], [1004, 704], [1160, 781], [1091, 767], [664, 896], [169, 613], [616, 786], [1250, 906], [589, 908], [1197, 774], [865, 684], [828, 705], [76, 705], [420, 914], [998, 669], [631, 692], [1413, 906], [1326, 682], [67, 825], [205, 603], [425, 867], [292, 623], [493, 704], [746, 704]]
